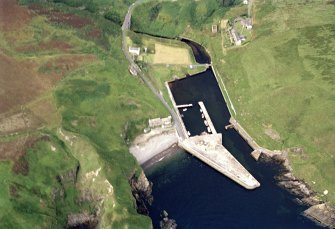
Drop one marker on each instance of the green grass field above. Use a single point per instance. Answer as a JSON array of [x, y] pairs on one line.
[[281, 83]]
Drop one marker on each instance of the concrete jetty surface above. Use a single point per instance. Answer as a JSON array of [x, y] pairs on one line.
[[210, 150], [207, 117]]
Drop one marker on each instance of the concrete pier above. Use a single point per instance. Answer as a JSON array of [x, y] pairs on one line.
[[209, 149], [184, 105], [207, 117]]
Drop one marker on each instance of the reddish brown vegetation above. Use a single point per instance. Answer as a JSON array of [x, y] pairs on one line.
[[94, 33], [46, 46], [60, 17], [12, 15], [16, 149], [21, 166], [18, 83], [13, 189], [58, 67]]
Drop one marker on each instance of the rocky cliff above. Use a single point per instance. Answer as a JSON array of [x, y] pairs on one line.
[[141, 189]]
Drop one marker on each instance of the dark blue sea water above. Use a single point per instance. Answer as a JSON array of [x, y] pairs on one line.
[[197, 196]]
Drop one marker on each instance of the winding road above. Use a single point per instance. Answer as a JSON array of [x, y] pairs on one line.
[[125, 27]]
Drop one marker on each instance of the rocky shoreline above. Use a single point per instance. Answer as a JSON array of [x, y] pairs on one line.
[[141, 190], [318, 211]]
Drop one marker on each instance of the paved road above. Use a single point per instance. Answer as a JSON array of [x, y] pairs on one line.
[[125, 27]]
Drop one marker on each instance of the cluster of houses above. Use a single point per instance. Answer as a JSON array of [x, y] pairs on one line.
[[236, 37]]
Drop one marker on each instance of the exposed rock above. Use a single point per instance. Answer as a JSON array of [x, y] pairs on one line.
[[141, 189], [81, 219], [311, 200], [319, 211], [296, 187], [167, 223], [323, 214], [69, 177]]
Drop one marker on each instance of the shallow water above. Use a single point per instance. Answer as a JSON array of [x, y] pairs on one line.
[[197, 196]]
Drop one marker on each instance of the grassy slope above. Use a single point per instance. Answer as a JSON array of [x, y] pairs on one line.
[[282, 82], [101, 103]]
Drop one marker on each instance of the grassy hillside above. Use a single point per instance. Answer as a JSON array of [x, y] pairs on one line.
[[281, 83], [67, 103], [170, 18]]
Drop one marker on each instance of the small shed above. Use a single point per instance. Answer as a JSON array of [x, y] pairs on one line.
[[135, 50], [156, 122], [214, 28]]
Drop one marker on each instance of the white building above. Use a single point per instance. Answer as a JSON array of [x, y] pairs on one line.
[[160, 122], [134, 50], [247, 23], [245, 2]]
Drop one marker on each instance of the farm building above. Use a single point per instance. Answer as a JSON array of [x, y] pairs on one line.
[[160, 122], [236, 37], [247, 23], [134, 50]]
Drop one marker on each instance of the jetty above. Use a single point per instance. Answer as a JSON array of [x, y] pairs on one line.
[[184, 105], [208, 119], [208, 148]]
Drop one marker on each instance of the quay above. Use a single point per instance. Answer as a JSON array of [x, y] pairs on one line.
[[257, 150]]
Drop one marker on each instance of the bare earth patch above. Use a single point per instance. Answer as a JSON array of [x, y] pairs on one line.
[[274, 135], [15, 149], [18, 121], [171, 55]]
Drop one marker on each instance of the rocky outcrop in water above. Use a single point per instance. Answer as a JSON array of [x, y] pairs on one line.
[[323, 214], [141, 190], [167, 223], [318, 211]]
